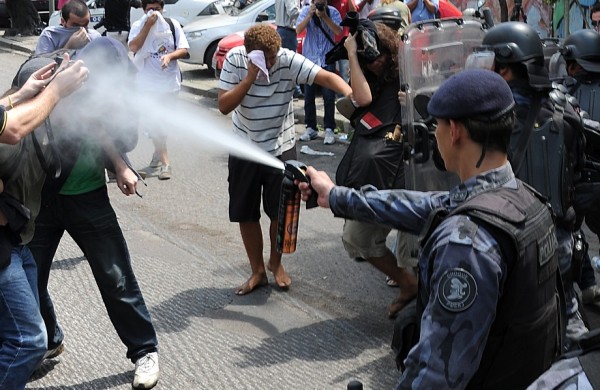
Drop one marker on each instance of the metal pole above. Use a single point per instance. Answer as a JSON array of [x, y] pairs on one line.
[[51, 8], [566, 19]]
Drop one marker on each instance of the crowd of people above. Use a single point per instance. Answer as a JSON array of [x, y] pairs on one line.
[[511, 229]]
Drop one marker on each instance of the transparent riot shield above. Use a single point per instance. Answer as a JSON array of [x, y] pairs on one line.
[[430, 52]]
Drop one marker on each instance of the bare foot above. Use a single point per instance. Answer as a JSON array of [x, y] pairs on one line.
[[282, 279], [403, 299], [255, 281]]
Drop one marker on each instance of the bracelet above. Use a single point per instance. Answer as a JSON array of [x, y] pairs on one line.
[[10, 102]]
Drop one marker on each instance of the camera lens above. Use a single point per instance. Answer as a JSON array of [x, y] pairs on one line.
[[320, 6]]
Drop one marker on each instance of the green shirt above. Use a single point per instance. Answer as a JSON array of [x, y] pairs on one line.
[[88, 172]]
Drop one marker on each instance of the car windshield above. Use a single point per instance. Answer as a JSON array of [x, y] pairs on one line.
[[250, 8]]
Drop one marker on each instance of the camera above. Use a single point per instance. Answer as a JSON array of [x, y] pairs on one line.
[[366, 40], [320, 6]]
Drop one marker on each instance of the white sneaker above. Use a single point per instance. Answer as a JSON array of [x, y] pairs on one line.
[[146, 371], [309, 134], [329, 137]]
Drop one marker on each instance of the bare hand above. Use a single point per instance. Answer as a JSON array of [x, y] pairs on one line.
[[252, 70], [37, 81], [152, 19], [402, 98], [68, 77], [127, 181], [320, 182], [164, 61], [78, 40], [350, 43]]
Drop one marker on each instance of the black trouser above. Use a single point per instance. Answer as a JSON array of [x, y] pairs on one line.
[[92, 223]]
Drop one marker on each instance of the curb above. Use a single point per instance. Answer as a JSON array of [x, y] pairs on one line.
[[14, 45]]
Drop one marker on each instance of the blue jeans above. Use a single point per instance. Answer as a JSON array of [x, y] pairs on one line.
[[310, 109], [22, 331], [92, 223], [289, 40]]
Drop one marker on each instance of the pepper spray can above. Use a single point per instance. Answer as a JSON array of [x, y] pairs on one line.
[[289, 206]]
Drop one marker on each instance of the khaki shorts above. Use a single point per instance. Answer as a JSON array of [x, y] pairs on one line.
[[406, 245], [365, 240]]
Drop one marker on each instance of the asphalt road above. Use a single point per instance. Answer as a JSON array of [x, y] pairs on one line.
[[329, 328]]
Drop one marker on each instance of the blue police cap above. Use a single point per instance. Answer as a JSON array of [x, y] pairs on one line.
[[473, 93]]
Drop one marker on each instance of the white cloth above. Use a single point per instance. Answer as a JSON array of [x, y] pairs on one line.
[[152, 77], [257, 57], [160, 28], [266, 114]]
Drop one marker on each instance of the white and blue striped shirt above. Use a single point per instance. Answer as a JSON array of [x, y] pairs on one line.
[[266, 115]]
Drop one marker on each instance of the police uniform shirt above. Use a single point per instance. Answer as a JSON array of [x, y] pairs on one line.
[[463, 287]]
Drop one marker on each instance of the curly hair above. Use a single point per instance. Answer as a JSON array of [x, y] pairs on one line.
[[388, 44], [262, 37]]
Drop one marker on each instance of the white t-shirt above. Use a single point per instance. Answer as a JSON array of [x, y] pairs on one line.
[[266, 114], [364, 12], [152, 77]]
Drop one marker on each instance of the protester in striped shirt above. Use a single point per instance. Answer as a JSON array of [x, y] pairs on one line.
[[261, 101]]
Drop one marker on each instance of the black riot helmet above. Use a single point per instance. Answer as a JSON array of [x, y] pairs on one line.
[[389, 16], [583, 47], [518, 42]]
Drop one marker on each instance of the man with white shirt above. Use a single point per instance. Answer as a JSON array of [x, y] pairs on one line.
[[159, 74]]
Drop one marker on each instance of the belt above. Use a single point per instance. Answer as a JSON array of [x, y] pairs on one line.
[[287, 28]]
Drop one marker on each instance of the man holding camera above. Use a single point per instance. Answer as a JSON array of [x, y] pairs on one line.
[[23, 108], [322, 24]]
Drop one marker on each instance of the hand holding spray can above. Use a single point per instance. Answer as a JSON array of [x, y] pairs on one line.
[[289, 206]]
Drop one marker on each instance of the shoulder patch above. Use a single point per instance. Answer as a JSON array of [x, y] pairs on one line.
[[464, 231], [457, 290]]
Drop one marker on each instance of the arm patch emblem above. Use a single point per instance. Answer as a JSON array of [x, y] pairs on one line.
[[457, 290]]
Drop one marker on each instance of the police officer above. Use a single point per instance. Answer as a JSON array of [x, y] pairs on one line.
[[488, 243], [547, 144], [581, 53]]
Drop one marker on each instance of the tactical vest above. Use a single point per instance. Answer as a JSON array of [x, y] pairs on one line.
[[525, 335], [551, 161], [587, 92]]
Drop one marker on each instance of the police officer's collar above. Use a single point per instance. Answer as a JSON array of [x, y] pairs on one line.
[[485, 181]]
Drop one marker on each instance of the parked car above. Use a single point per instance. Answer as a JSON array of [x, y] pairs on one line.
[[204, 36], [234, 40], [184, 11]]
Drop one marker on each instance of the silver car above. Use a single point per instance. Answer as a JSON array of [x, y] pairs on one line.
[[204, 35]]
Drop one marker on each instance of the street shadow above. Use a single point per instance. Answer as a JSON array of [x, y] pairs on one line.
[[107, 382], [68, 264], [174, 314], [198, 73], [329, 340], [46, 367]]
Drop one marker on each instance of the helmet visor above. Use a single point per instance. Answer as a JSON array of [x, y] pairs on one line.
[[482, 59]]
